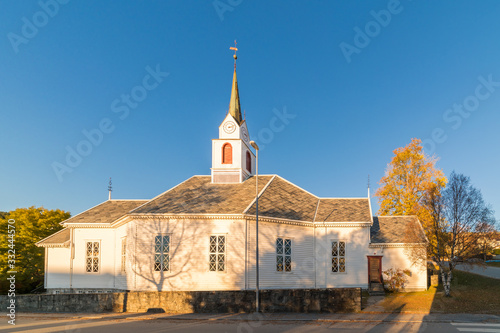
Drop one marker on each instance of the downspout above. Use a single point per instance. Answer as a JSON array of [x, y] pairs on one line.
[[246, 253], [315, 251], [135, 257], [71, 257], [326, 254], [314, 246], [46, 272]]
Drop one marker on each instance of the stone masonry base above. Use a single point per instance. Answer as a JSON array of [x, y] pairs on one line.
[[276, 300]]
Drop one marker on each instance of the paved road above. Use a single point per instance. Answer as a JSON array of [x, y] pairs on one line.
[[249, 324], [493, 272]]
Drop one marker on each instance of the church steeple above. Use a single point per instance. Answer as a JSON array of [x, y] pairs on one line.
[[234, 104], [233, 161]]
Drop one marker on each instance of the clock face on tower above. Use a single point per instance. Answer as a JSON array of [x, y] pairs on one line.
[[229, 127], [244, 134]]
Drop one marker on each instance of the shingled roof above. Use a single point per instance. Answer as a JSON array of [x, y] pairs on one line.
[[282, 199], [106, 212], [344, 210], [396, 229], [278, 199], [198, 195], [58, 239]]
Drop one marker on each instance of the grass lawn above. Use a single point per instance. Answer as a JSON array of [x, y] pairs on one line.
[[493, 264], [470, 293]]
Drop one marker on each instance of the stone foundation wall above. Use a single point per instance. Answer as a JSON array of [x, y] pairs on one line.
[[277, 300]]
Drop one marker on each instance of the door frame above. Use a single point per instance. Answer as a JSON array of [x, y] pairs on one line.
[[379, 268]]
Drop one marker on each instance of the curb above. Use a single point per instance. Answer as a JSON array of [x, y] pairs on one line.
[[339, 318]]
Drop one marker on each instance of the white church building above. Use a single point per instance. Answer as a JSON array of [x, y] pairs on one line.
[[200, 235]]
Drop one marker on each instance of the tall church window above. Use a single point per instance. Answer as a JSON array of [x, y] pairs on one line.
[[162, 253], [283, 255], [92, 257], [338, 257], [227, 154], [249, 162], [217, 254]]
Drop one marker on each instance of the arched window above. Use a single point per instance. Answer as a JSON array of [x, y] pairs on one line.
[[249, 162], [227, 154]]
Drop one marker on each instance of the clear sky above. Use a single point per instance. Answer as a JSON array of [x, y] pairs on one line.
[[330, 89]]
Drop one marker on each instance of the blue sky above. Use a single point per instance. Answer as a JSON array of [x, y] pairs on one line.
[[356, 79]]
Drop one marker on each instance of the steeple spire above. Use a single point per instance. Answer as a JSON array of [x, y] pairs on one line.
[[234, 103]]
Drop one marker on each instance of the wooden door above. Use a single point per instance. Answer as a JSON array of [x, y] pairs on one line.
[[375, 269]]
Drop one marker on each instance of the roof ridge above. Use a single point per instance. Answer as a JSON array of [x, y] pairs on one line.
[[159, 195], [397, 216], [127, 200], [352, 198], [316, 211], [259, 194], [86, 210], [49, 236], [289, 182]]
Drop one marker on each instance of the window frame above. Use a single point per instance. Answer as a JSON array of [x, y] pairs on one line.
[[217, 253], [93, 241], [338, 256], [283, 255], [230, 153], [249, 162], [162, 253]]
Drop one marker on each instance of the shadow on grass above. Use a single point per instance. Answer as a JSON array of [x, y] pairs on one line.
[[470, 293]]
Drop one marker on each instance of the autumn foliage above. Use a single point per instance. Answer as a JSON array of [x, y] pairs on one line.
[[409, 178]]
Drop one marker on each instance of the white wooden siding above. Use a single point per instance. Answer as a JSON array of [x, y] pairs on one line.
[[396, 258], [121, 277], [57, 274], [356, 275], [106, 276], [302, 274], [189, 255]]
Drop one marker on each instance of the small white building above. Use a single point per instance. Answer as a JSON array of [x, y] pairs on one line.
[[200, 234]]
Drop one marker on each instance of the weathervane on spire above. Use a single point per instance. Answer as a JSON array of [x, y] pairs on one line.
[[368, 187], [110, 188], [234, 56]]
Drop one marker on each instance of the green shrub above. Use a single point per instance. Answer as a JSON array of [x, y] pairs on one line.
[[395, 279]]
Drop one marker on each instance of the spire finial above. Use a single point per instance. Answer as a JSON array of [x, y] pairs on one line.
[[234, 56], [110, 188], [368, 186], [234, 103]]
